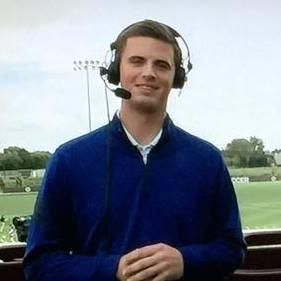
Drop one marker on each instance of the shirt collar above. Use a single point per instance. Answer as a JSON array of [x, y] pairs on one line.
[[133, 140]]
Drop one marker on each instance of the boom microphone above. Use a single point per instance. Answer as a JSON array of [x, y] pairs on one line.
[[119, 92], [122, 93]]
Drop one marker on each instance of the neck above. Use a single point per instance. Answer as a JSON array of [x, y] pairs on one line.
[[143, 127]]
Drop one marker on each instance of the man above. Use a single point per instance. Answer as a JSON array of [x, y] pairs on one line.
[[138, 199]]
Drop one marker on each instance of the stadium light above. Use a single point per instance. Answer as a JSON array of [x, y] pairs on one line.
[[87, 65]]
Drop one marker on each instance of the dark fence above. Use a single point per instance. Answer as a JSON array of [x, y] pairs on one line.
[[11, 262], [263, 258]]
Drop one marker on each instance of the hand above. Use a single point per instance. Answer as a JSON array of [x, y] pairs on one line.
[[159, 262]]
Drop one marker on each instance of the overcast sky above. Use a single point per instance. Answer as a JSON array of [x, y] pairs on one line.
[[233, 91]]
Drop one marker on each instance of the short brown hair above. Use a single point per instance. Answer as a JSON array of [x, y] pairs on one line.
[[152, 29]]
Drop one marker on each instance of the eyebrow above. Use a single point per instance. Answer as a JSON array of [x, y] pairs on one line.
[[135, 57]]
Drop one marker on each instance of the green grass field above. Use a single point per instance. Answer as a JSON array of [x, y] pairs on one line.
[[260, 206], [14, 204]]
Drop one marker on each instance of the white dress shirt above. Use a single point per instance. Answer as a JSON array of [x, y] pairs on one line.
[[143, 149]]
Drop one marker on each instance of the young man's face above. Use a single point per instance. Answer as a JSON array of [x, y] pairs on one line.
[[147, 70]]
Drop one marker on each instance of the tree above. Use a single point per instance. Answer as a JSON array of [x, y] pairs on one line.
[[15, 158], [242, 153], [39, 159], [258, 157], [238, 152]]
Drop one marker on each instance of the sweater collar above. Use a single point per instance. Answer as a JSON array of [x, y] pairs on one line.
[[134, 142], [117, 128]]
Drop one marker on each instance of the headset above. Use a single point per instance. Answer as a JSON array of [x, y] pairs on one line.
[[113, 70]]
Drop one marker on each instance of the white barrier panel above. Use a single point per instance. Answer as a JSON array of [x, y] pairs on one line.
[[240, 180]]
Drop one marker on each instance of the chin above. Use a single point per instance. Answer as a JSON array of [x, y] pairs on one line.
[[146, 105]]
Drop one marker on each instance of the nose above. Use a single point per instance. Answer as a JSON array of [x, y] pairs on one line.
[[148, 71]]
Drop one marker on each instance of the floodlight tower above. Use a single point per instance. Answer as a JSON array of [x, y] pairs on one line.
[[87, 65]]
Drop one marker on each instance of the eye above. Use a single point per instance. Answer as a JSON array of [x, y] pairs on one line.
[[163, 65], [136, 60]]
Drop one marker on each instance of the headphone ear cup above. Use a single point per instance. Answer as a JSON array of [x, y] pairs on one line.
[[113, 75], [180, 78]]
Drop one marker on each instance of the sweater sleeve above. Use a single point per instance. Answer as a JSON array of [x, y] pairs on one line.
[[49, 255], [226, 250]]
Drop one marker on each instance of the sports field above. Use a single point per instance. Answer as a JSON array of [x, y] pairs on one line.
[[260, 206]]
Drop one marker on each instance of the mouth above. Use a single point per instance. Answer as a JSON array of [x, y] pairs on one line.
[[147, 87]]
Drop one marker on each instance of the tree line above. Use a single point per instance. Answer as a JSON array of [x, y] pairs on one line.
[[243, 153], [15, 158], [239, 153]]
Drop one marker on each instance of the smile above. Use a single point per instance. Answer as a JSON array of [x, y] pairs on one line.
[[146, 87]]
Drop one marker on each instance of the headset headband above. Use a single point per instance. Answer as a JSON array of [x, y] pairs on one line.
[[113, 74]]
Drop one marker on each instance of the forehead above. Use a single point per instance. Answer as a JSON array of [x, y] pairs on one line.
[[148, 47]]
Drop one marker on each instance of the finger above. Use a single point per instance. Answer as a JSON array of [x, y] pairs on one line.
[[139, 265], [132, 256], [163, 276], [142, 252], [148, 273]]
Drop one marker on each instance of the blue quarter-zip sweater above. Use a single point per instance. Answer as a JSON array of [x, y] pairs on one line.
[[99, 201]]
